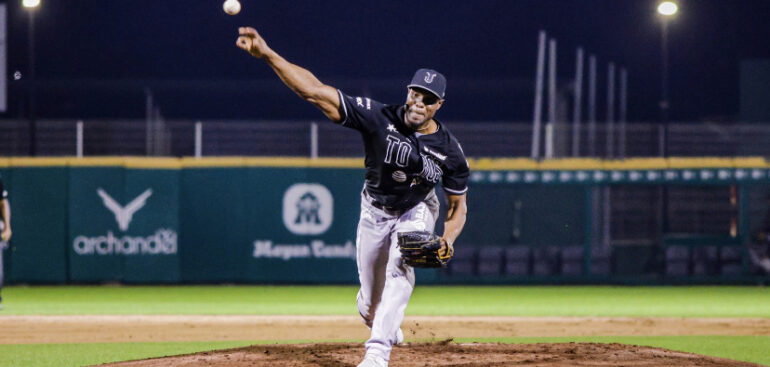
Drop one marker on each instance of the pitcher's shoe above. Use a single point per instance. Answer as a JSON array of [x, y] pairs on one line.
[[373, 361], [399, 337]]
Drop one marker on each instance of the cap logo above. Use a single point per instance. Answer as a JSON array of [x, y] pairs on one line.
[[429, 77]]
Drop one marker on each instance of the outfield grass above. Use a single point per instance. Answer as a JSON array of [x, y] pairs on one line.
[[340, 300], [61, 355]]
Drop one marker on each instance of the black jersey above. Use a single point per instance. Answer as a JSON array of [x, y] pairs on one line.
[[396, 174]]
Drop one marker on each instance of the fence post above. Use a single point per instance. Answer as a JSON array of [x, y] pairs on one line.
[[592, 106], [577, 105], [198, 139], [313, 140], [148, 120], [79, 139], [538, 109], [610, 153], [549, 128], [623, 111]]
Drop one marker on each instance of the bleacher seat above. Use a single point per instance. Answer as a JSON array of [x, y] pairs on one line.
[[518, 260], [601, 260], [677, 260], [572, 260], [545, 260], [705, 260], [463, 261], [490, 260], [730, 260]]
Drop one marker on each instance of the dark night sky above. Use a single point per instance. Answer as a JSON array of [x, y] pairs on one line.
[[486, 47]]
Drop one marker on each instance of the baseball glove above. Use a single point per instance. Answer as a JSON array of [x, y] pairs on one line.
[[421, 249]]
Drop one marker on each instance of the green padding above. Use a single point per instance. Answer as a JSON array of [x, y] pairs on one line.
[[233, 227], [212, 219], [123, 225], [38, 199]]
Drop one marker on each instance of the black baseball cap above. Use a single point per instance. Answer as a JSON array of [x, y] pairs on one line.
[[430, 80]]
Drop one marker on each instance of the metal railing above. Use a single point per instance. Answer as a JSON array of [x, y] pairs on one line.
[[325, 139]]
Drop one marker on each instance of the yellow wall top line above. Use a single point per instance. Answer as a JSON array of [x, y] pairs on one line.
[[481, 164]]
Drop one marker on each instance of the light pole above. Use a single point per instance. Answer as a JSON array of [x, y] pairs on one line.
[[666, 10], [31, 6]]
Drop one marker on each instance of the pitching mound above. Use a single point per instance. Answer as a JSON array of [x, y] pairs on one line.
[[443, 354]]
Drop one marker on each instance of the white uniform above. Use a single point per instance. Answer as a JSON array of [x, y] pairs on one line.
[[386, 282], [402, 170]]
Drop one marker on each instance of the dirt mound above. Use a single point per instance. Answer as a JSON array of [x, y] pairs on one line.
[[443, 354]]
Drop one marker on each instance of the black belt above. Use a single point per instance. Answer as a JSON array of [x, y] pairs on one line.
[[387, 209]]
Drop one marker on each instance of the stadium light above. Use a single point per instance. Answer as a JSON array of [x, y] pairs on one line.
[[668, 8], [30, 4]]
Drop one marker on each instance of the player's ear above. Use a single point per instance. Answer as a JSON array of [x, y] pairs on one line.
[[439, 104]]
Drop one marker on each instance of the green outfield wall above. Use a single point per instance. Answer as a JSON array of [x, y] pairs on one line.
[[290, 220]]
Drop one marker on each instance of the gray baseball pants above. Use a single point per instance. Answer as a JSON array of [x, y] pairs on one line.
[[386, 282]]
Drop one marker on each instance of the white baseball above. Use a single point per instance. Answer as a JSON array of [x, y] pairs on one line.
[[232, 7]]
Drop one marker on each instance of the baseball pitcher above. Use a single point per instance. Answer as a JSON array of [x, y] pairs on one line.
[[407, 153]]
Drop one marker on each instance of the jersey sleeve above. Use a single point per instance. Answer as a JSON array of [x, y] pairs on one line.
[[455, 179], [359, 113]]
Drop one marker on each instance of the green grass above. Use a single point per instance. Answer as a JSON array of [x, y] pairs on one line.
[[56, 355], [340, 300]]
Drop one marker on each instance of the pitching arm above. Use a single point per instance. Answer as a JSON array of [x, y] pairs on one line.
[[300, 80], [455, 221]]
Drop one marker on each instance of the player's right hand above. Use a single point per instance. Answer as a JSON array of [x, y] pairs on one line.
[[250, 41]]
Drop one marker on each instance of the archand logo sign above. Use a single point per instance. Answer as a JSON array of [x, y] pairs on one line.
[[162, 242], [308, 210], [123, 215]]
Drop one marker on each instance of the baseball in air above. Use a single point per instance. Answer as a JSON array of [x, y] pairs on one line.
[[232, 7]]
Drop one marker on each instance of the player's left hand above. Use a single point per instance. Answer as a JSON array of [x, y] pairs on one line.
[[446, 251], [6, 234]]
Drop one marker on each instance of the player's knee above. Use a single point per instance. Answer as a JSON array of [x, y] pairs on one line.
[[401, 273], [367, 313], [365, 309]]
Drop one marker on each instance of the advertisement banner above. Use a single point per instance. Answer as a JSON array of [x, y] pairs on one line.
[[123, 225], [303, 225]]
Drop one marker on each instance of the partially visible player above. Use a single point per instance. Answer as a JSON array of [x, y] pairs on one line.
[[5, 231], [407, 153]]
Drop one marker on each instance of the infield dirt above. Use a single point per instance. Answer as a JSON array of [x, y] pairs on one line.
[[444, 354], [432, 333]]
